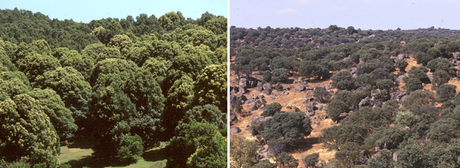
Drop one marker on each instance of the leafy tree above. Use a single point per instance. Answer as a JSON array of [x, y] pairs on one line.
[[27, 133], [382, 160], [445, 92], [336, 136], [54, 107], [412, 154], [322, 95], [243, 152], [413, 84], [218, 25], [171, 20], [211, 87], [335, 108], [179, 99], [311, 68], [440, 77], [342, 80], [291, 126], [210, 145], [158, 68], [401, 64], [444, 129], [272, 109], [311, 160], [71, 86], [280, 75], [84, 64], [36, 64], [111, 113], [285, 160], [205, 114], [145, 93]]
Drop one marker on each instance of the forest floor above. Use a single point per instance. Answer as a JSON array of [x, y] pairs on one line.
[[78, 154]]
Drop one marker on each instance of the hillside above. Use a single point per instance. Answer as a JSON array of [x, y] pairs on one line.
[[370, 97]]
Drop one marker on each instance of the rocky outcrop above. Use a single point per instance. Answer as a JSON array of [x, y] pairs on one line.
[[301, 86], [267, 88], [234, 130], [397, 95]]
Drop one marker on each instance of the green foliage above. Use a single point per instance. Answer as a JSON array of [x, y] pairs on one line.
[[171, 20], [27, 133], [211, 87], [205, 114], [210, 145], [342, 80], [242, 151], [335, 108], [111, 112], [178, 100], [280, 74], [272, 109], [383, 159], [54, 107], [444, 129], [71, 86], [336, 136], [413, 84], [322, 95], [311, 160], [401, 64], [285, 160], [36, 64], [290, 126], [445, 92]]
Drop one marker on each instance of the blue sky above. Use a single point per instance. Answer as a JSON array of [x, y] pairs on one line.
[[364, 14], [87, 10]]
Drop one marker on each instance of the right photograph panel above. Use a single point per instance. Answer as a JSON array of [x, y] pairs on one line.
[[355, 83]]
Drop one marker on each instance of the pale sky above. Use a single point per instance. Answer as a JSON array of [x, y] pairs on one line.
[[87, 10], [364, 14]]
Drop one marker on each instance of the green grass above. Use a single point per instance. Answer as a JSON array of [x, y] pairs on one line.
[[79, 155]]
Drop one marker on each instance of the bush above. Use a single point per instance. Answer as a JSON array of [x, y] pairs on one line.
[[272, 109], [335, 108], [311, 160]]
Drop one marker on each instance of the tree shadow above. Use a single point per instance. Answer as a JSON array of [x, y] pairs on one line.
[[156, 154], [82, 142], [93, 162], [306, 144]]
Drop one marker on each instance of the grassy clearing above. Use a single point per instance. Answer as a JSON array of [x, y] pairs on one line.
[[79, 155]]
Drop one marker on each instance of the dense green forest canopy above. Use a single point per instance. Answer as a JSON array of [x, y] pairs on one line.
[[387, 115], [126, 84]]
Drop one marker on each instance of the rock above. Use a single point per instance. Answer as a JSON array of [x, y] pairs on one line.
[[259, 86], [397, 95], [234, 130], [271, 98], [402, 98], [232, 100], [285, 92], [399, 79], [364, 102], [310, 108], [252, 82], [234, 89], [319, 106], [343, 115], [352, 70], [311, 113], [256, 105], [233, 117], [430, 76], [257, 119], [243, 83], [301, 86], [361, 89], [267, 88], [328, 87], [401, 56]]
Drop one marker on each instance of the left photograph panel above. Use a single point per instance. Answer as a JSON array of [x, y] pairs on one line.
[[113, 83]]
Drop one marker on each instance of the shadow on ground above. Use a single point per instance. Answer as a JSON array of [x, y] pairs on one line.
[[155, 154]]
